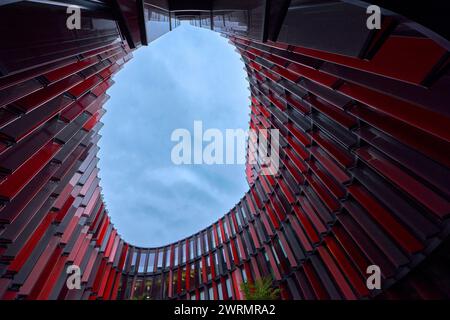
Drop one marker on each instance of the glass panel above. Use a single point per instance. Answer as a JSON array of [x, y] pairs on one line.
[[138, 290], [248, 241], [238, 219], [219, 291], [219, 233], [229, 292], [156, 290], [183, 252], [151, 262], [231, 224], [191, 248], [244, 275], [183, 279], [156, 22], [175, 260], [199, 246], [210, 293], [222, 259], [216, 262], [174, 282], [208, 269], [266, 256], [168, 252], [142, 261], [225, 228], [213, 238], [244, 210], [192, 276], [166, 285], [133, 262], [160, 259], [239, 253], [199, 274], [277, 260], [148, 288], [206, 243]]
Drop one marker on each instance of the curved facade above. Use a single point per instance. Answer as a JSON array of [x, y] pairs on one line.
[[364, 158]]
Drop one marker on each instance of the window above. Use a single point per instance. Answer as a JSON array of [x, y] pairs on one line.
[[219, 261], [248, 241], [191, 248], [166, 285], [266, 256], [148, 288], [244, 210], [151, 261], [210, 293], [157, 287], [142, 261], [128, 287], [208, 269], [202, 294], [199, 273], [262, 232], [206, 243], [229, 290], [168, 252], [138, 289], [160, 259], [199, 246], [183, 278], [219, 233], [230, 219], [244, 275], [293, 242], [216, 262], [239, 253], [282, 248], [133, 261], [277, 260], [213, 238], [174, 282], [192, 276], [222, 260], [183, 252], [175, 260], [219, 290], [238, 219], [225, 229]]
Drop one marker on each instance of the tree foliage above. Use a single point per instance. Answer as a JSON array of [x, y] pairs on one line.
[[261, 289]]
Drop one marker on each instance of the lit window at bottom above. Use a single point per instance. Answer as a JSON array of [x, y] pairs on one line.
[[229, 292], [219, 291], [210, 293]]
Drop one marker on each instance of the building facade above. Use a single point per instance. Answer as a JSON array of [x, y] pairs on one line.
[[364, 175]]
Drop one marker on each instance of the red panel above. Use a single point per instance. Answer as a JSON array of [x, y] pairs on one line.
[[18, 180], [40, 97], [393, 227], [426, 120]]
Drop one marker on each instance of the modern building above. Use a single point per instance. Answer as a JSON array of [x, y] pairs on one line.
[[363, 115]]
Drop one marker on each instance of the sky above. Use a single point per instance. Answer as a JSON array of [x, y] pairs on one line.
[[188, 74]]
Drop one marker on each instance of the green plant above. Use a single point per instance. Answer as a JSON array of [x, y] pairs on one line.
[[261, 289]]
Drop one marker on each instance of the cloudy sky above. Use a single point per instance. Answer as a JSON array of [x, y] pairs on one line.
[[189, 74]]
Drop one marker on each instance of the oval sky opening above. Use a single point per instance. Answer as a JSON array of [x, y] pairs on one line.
[[189, 74]]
